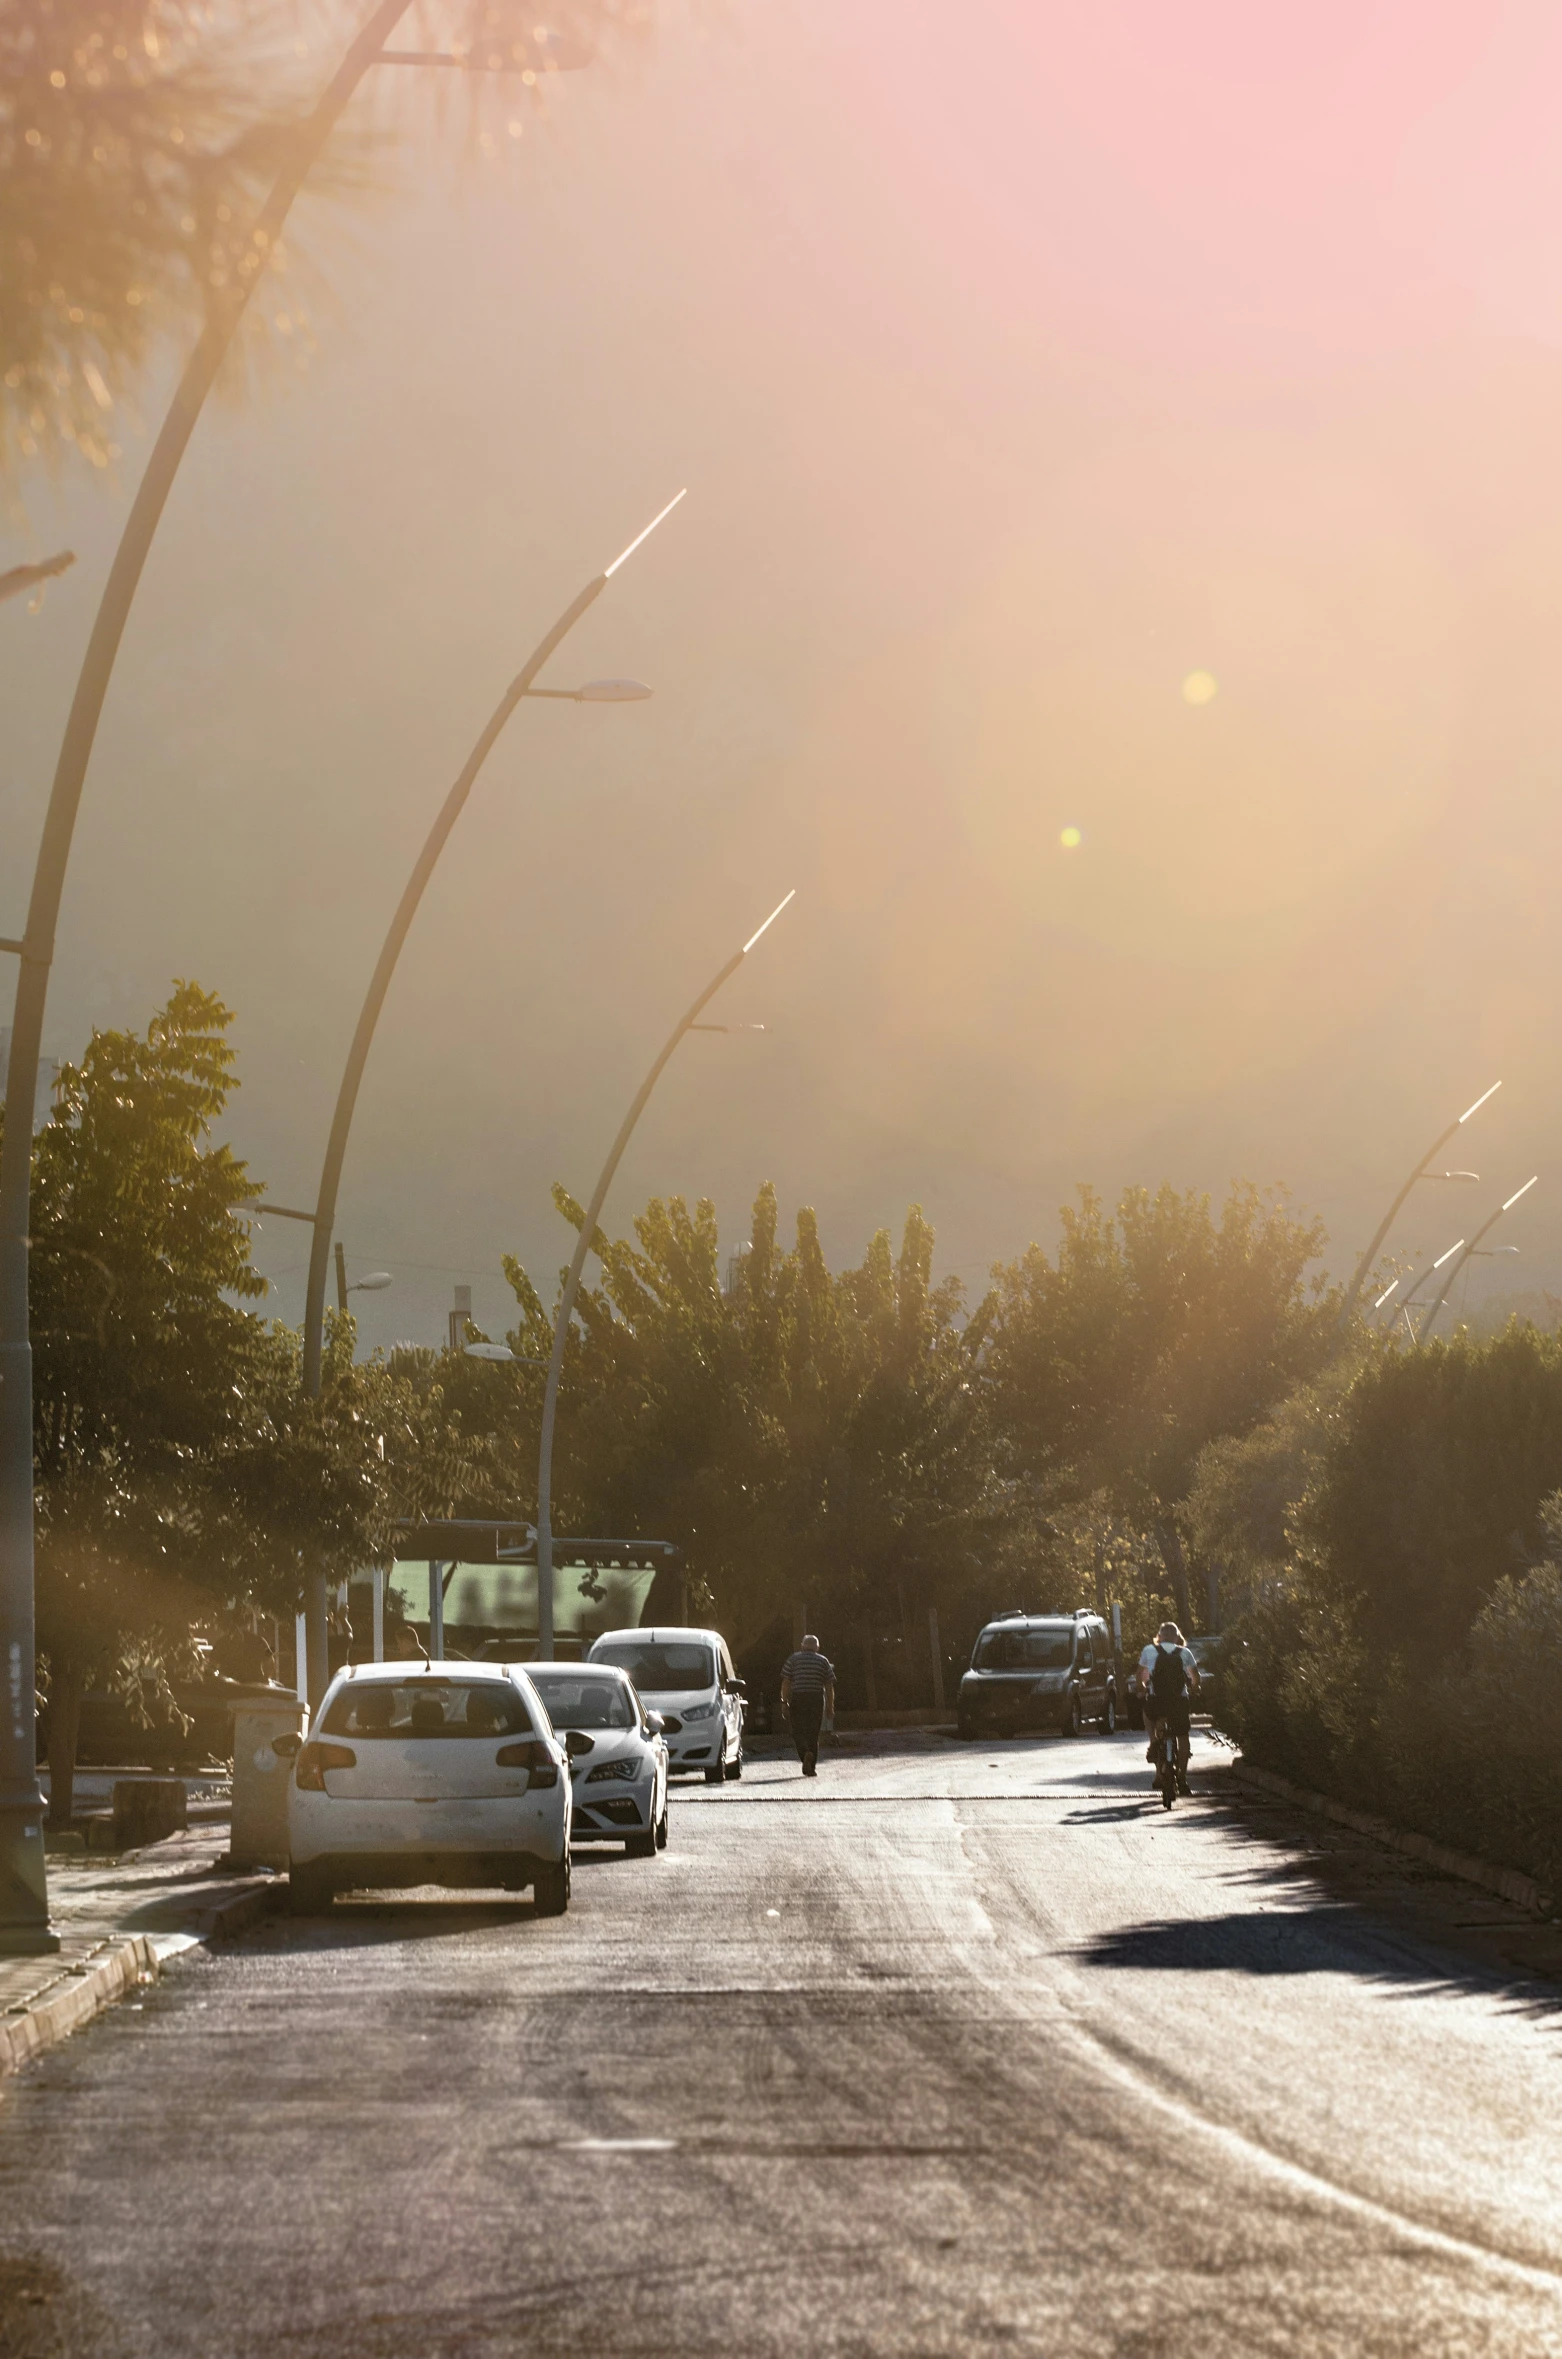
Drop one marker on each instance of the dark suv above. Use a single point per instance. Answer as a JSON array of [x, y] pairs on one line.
[[1039, 1671]]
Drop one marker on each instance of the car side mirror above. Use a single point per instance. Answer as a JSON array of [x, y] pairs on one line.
[[655, 1723], [286, 1748], [736, 1687], [577, 1742]]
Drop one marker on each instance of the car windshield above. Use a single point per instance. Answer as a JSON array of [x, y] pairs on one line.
[[1026, 1650], [427, 1708], [574, 1701], [657, 1666]]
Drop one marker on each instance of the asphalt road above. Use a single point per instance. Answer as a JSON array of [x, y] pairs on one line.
[[956, 2050]]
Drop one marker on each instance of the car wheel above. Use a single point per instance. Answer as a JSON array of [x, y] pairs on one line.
[[1075, 1724], [1109, 1716], [550, 1889], [735, 1767], [716, 1773], [661, 1830], [310, 1890], [641, 1846], [965, 1731]]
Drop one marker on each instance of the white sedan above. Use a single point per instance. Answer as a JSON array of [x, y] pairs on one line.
[[428, 1773], [618, 1757]]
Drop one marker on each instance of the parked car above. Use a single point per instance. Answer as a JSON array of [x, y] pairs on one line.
[[688, 1676], [1039, 1671], [428, 1773], [618, 1754]]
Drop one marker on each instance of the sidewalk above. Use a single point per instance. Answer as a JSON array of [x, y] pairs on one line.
[[118, 1921]]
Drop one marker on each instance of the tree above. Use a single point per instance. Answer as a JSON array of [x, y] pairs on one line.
[[1151, 1334], [138, 139], [1246, 1489], [140, 1349], [1432, 1487], [797, 1432]]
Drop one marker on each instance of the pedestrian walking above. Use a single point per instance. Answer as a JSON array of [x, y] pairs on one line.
[[807, 1694]]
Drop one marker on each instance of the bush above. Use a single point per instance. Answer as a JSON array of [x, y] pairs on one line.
[[1432, 1487], [1470, 1754]]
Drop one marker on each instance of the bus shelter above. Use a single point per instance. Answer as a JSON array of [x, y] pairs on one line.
[[468, 1587]]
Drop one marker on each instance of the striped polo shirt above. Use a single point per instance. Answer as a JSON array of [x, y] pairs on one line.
[[809, 1671]]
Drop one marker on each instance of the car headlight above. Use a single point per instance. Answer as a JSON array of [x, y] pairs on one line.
[[696, 1711], [623, 1767]]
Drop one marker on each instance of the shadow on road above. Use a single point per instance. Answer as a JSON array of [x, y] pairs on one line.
[[1337, 1904], [1249, 1941]]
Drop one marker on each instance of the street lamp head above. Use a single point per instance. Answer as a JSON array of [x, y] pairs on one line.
[[487, 1351], [375, 1283], [608, 571], [769, 922], [1451, 1175], [612, 692]]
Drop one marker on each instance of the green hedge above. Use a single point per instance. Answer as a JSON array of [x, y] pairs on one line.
[[1470, 1752]]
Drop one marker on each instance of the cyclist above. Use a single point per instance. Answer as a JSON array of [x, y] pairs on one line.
[[1168, 1678]]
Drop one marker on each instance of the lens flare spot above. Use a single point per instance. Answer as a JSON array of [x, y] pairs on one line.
[[1198, 688], [1070, 838]]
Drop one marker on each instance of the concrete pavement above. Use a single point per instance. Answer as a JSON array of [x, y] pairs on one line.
[[957, 2049]]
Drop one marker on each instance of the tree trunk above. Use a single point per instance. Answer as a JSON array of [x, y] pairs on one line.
[[871, 1677], [1169, 1541], [65, 1688]]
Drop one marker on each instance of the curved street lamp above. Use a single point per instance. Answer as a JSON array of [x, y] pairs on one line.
[[324, 1218], [1420, 1172], [24, 1912], [1473, 1247], [1402, 1307], [565, 1312]]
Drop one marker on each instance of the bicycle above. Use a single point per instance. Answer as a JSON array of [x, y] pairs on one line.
[[1170, 1779]]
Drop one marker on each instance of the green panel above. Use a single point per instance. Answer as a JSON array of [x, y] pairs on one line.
[[502, 1597]]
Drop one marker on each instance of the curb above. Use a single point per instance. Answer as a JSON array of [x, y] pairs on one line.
[[1509, 1883], [83, 1991], [89, 1985]]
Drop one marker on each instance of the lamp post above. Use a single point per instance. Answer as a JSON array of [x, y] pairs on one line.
[[588, 1229], [24, 1912], [1473, 1247], [1402, 1307], [375, 1283], [1420, 1172], [324, 1215]]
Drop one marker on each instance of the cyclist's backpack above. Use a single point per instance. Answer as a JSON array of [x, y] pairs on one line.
[[1168, 1680]]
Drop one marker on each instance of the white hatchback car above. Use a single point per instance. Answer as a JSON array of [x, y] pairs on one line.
[[687, 1676], [618, 1759], [428, 1773]]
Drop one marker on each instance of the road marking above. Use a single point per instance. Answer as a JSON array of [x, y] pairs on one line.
[[1366, 2207], [618, 2145]]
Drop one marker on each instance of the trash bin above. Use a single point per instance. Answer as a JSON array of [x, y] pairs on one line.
[[259, 1838]]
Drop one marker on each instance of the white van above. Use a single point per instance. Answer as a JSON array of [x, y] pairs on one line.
[[686, 1676]]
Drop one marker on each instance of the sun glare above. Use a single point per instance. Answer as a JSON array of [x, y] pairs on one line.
[[1198, 687], [1070, 838]]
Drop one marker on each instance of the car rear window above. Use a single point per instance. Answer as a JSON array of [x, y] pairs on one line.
[[427, 1708], [1025, 1650], [575, 1700], [662, 1665]]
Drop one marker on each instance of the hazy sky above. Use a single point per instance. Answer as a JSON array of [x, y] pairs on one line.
[[1023, 361]]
